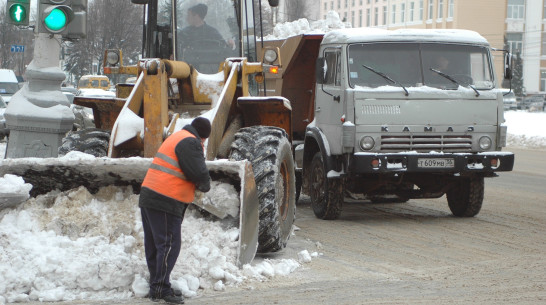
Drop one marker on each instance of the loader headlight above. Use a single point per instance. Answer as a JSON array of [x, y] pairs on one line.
[[112, 58], [367, 143], [270, 56], [485, 142]]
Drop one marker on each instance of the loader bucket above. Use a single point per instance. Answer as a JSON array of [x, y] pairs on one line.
[[49, 174]]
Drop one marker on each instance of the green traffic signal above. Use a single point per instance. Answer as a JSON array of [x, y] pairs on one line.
[[18, 13], [56, 20]]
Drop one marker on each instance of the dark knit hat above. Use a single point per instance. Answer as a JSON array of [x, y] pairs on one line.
[[202, 125], [200, 9]]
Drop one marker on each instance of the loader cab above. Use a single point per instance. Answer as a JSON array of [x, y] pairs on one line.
[[202, 33]]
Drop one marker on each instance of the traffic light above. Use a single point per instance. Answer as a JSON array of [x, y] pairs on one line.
[[18, 11], [65, 17]]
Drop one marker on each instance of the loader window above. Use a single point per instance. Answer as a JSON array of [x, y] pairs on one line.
[[207, 33]]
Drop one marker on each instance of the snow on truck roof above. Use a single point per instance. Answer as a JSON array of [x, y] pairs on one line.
[[355, 35]]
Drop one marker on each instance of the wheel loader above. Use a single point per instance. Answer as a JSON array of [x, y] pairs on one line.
[[250, 144]]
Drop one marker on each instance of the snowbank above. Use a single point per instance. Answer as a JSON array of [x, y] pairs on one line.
[[74, 245]]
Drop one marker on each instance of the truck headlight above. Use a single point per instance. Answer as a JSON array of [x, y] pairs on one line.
[[367, 143], [485, 142]]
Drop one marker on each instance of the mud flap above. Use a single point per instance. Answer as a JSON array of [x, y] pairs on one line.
[[49, 174]]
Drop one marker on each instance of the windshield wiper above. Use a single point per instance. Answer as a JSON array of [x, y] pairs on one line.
[[454, 81], [386, 77]]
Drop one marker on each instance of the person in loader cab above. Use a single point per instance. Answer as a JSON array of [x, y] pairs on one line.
[[198, 31], [168, 188]]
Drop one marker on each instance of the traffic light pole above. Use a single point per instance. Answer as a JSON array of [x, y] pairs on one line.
[[39, 115]]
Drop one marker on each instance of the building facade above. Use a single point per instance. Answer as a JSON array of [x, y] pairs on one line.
[[521, 22]]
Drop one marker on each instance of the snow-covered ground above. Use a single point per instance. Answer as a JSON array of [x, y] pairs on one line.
[[74, 245]]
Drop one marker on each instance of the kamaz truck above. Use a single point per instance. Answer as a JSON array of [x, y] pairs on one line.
[[392, 115]]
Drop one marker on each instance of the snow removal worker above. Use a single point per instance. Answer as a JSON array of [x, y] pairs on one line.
[[168, 188]]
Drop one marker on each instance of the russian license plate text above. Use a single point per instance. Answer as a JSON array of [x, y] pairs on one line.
[[436, 163]]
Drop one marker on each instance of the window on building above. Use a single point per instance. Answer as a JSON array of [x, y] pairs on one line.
[[376, 16], [384, 15], [403, 12], [543, 80], [440, 9], [411, 11], [353, 18], [450, 9], [346, 3], [325, 5], [345, 17], [352, 3], [360, 2], [368, 17], [543, 50], [332, 5], [338, 3], [430, 9], [393, 14], [359, 18], [421, 8], [515, 42], [516, 9]]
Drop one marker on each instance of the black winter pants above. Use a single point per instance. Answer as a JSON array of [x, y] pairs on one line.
[[162, 240]]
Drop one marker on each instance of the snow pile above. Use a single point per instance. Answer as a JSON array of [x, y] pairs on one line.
[[526, 129], [211, 85], [303, 26], [14, 185], [75, 245]]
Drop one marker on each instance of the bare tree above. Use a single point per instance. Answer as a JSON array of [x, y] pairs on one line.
[[111, 24], [296, 9]]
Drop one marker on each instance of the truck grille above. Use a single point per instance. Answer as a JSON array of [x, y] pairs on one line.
[[426, 143]]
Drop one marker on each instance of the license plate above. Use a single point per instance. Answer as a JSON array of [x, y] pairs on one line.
[[435, 163]]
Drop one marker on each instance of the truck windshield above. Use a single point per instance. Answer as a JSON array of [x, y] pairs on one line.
[[417, 64], [208, 32]]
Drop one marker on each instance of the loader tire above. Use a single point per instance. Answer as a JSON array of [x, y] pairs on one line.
[[326, 194], [466, 198], [91, 141], [270, 153]]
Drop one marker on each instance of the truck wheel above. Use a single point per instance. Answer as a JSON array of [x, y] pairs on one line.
[[91, 141], [270, 153], [326, 194], [465, 200]]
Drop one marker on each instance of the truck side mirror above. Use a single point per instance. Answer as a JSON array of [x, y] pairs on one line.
[[507, 65], [273, 3], [320, 70]]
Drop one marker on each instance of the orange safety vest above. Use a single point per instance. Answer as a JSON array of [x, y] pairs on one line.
[[165, 176]]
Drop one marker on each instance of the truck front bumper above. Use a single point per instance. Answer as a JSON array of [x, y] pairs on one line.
[[487, 162]]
